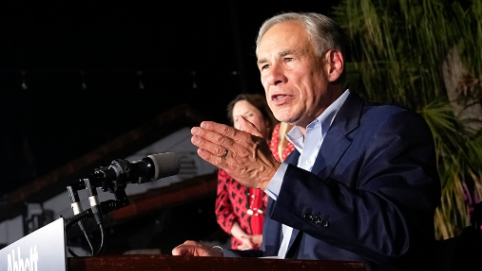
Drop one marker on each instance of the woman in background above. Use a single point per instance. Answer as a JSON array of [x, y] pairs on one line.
[[239, 209]]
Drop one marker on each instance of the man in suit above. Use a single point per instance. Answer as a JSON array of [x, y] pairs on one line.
[[362, 184]]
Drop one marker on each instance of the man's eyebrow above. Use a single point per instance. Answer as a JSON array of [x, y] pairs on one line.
[[262, 61], [280, 54], [285, 53]]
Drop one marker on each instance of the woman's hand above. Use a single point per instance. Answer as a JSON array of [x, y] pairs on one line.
[[248, 241], [251, 242]]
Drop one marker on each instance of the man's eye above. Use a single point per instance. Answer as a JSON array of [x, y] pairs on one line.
[[288, 59], [264, 67]]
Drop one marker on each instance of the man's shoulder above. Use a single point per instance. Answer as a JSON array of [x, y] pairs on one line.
[[359, 112], [389, 115], [388, 109], [355, 100], [382, 106]]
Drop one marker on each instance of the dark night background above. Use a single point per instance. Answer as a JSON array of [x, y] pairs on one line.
[[75, 74]]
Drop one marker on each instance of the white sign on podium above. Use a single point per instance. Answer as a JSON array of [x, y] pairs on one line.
[[41, 250]]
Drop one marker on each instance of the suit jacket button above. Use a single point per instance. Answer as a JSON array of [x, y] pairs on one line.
[[325, 223], [318, 221], [309, 216]]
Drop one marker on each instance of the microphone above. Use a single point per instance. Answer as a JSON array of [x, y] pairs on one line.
[[120, 171], [157, 166], [150, 168]]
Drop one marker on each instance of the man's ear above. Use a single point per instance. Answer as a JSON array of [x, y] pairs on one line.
[[335, 64]]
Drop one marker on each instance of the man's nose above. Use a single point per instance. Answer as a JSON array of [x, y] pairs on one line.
[[275, 75]]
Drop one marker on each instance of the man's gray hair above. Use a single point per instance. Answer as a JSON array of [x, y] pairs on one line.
[[324, 33]]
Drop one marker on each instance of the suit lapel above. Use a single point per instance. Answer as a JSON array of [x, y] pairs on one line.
[[337, 141]]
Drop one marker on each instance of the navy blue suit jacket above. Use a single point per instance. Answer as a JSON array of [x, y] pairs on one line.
[[370, 197]]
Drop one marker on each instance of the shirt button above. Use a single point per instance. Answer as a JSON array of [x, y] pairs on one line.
[[308, 162]]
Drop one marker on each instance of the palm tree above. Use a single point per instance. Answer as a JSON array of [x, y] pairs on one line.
[[426, 55]]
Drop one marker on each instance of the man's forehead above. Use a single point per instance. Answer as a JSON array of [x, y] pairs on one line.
[[283, 38]]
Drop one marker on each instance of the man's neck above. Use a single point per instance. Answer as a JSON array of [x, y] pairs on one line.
[[332, 95], [302, 128]]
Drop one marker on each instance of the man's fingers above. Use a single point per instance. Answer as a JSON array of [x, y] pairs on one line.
[[204, 143], [249, 127], [182, 250], [177, 251], [187, 248], [225, 130], [214, 141], [218, 161], [192, 248]]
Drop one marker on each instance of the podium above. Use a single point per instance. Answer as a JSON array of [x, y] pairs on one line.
[[45, 249], [188, 263]]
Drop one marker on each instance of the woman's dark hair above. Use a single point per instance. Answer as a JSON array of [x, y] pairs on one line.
[[258, 101]]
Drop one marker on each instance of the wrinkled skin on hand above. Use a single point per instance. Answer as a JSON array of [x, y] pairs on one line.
[[249, 160], [192, 248]]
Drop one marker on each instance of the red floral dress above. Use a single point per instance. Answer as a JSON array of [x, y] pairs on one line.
[[275, 139], [233, 203]]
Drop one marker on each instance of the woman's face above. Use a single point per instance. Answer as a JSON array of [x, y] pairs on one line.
[[252, 114]]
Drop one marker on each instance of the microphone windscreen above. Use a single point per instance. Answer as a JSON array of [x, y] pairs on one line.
[[165, 164]]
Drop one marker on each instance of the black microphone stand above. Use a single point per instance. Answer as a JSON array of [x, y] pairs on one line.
[[111, 179]]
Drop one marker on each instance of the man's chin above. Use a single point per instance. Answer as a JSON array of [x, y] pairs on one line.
[[287, 119]]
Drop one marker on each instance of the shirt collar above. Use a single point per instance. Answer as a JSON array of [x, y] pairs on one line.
[[326, 119]]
